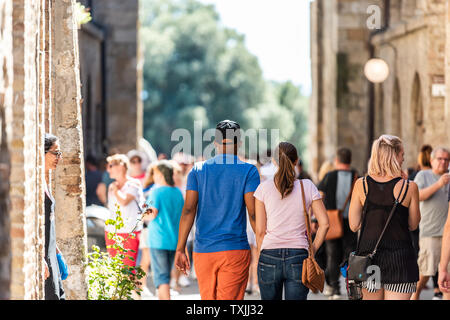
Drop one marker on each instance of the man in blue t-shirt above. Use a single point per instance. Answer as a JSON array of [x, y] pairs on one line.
[[218, 192]]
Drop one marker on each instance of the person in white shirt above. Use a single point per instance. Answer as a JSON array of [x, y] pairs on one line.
[[124, 194]]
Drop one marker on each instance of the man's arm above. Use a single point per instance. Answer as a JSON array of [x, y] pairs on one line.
[[250, 204], [426, 193], [444, 276], [186, 222]]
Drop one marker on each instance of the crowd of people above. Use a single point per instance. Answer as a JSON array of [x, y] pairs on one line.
[[238, 226]]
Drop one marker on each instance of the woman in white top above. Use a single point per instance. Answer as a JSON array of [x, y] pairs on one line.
[[281, 228], [124, 194]]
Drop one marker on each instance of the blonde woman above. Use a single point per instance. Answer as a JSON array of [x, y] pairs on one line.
[[395, 256]]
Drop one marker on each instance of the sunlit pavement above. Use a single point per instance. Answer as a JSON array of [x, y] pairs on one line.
[[191, 292]]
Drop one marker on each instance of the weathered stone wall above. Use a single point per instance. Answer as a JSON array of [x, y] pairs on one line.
[[22, 142], [91, 38], [322, 115], [447, 71], [120, 20], [414, 48], [352, 86], [413, 45], [69, 177], [6, 86], [339, 102]]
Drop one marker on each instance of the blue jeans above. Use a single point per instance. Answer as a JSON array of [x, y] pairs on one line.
[[282, 267], [162, 263]]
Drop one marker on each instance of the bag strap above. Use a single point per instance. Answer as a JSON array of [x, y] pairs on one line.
[[363, 219], [308, 226], [355, 177], [389, 218]]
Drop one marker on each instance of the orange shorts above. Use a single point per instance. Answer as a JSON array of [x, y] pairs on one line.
[[222, 275]]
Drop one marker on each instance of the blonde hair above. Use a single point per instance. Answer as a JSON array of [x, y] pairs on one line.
[[383, 160], [119, 159], [149, 180]]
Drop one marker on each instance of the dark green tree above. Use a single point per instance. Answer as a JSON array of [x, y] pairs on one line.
[[197, 69], [194, 69]]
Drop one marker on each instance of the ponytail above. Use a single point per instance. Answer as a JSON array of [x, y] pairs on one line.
[[285, 177]]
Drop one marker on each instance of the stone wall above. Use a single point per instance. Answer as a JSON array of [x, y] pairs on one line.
[[413, 45], [118, 21], [26, 113], [6, 86], [414, 48], [447, 70], [69, 176], [339, 102], [26, 244]]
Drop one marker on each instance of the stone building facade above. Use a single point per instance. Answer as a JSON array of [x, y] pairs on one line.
[[109, 66], [42, 90], [347, 110]]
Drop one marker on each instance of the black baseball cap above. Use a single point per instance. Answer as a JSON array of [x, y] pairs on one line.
[[228, 130]]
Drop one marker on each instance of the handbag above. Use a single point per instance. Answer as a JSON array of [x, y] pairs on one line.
[[313, 276], [336, 219], [357, 265]]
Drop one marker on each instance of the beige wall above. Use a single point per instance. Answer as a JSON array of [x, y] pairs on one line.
[[414, 47], [418, 58]]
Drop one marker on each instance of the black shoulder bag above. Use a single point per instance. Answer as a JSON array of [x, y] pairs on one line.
[[357, 265]]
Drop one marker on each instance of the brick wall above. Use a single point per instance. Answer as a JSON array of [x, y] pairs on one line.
[[6, 79], [23, 142]]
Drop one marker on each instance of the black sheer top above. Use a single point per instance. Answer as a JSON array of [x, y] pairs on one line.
[[395, 255]]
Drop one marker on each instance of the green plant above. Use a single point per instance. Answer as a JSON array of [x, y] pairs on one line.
[[109, 277]]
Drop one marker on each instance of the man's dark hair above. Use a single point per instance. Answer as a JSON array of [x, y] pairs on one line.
[[228, 129], [92, 160], [344, 155]]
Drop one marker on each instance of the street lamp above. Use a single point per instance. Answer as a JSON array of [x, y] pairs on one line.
[[376, 70]]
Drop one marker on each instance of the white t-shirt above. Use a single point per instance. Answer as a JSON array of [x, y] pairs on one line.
[[286, 227], [131, 212]]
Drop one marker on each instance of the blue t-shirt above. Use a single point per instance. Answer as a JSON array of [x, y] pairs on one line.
[[163, 230], [221, 183]]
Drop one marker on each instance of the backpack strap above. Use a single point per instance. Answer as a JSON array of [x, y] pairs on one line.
[[363, 219]]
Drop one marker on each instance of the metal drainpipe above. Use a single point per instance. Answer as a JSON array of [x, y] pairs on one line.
[[371, 48]]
